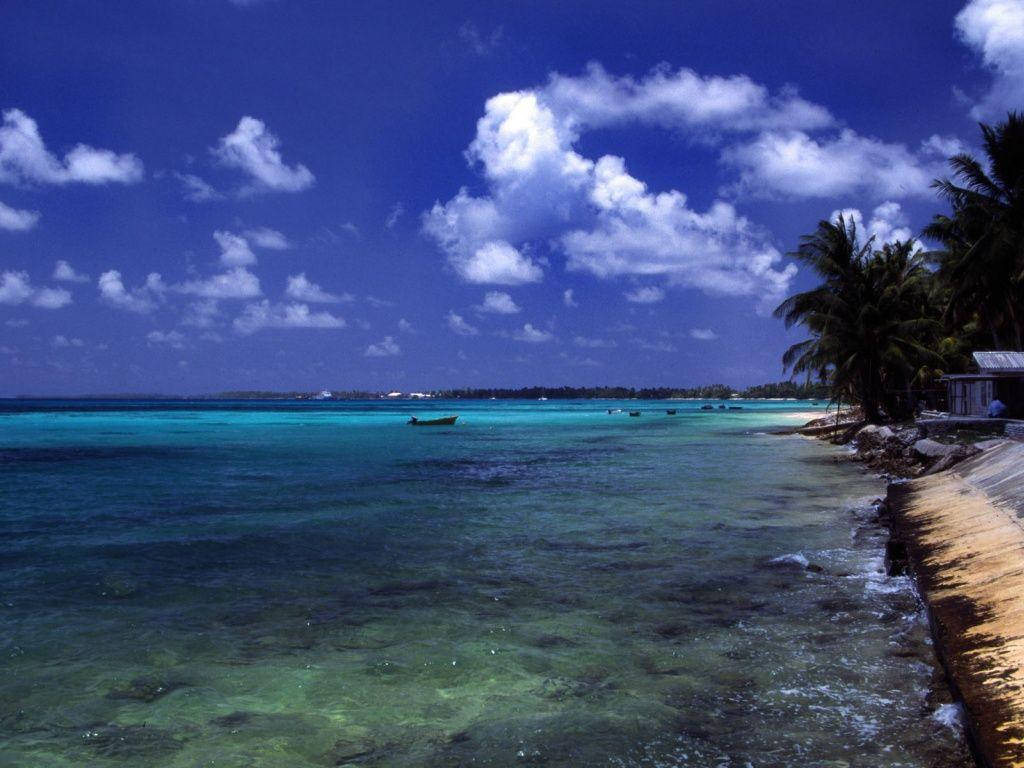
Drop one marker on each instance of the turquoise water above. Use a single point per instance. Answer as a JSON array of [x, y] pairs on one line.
[[194, 584]]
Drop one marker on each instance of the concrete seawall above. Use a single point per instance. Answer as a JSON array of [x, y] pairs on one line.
[[964, 534]]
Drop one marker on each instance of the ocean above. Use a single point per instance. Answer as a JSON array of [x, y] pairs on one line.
[[256, 584]]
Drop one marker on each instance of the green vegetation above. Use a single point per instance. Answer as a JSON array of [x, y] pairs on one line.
[[886, 321]]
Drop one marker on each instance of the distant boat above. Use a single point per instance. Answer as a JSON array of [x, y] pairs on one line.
[[721, 407], [735, 407], [707, 407], [634, 413], [542, 398], [447, 421], [671, 411]]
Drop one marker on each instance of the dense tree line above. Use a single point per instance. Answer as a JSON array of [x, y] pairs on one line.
[[889, 319]]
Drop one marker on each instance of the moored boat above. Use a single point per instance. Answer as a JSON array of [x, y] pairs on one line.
[[671, 411], [447, 421], [634, 413]]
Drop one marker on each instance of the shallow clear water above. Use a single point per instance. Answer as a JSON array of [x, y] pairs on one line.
[[543, 584]]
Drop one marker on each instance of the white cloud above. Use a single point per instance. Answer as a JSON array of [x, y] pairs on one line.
[[646, 295], [544, 193], [532, 335], [141, 300], [498, 262], [24, 158], [793, 164], [589, 343], [17, 220], [499, 303], [639, 233], [14, 322], [568, 299], [173, 339], [386, 348], [234, 249], [271, 239], [201, 314], [405, 326], [301, 289], [254, 149], [703, 334], [62, 342], [51, 298], [196, 189], [942, 146], [65, 272], [887, 224], [681, 100], [295, 315], [995, 30], [236, 283], [458, 325], [16, 288]]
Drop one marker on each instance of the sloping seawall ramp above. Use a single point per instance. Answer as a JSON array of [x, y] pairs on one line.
[[964, 532]]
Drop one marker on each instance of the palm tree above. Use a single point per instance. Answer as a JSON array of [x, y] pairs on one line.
[[870, 319], [983, 260]]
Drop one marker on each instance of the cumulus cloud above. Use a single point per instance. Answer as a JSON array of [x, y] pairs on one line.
[[680, 99], [457, 324], [887, 224], [271, 239], [532, 335], [703, 334], [252, 148], [17, 220], [302, 289], [405, 326], [386, 348], [234, 249], [172, 339], [25, 159], [65, 272], [499, 303], [235, 283], [500, 263], [16, 288], [794, 165], [51, 298], [568, 299], [995, 30], [647, 295], [263, 314], [142, 300], [605, 221]]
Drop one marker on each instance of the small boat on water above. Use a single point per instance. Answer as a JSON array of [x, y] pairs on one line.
[[614, 410], [735, 407], [634, 413], [447, 421], [671, 411], [707, 407]]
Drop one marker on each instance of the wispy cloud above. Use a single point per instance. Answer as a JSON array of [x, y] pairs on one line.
[[17, 220], [457, 324]]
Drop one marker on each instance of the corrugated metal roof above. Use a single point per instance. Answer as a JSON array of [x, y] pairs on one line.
[[1006, 362]]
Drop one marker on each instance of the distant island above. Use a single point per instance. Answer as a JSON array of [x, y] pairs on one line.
[[783, 389]]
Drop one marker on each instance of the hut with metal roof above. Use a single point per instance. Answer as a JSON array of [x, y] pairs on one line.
[[1000, 375]]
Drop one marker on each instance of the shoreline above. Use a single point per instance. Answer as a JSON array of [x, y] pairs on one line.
[[952, 516]]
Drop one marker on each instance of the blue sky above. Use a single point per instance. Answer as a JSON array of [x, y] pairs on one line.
[[274, 194]]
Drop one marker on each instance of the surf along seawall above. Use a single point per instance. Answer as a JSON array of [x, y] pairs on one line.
[[964, 537]]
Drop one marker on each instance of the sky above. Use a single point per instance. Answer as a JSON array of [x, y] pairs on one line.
[[209, 195]]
